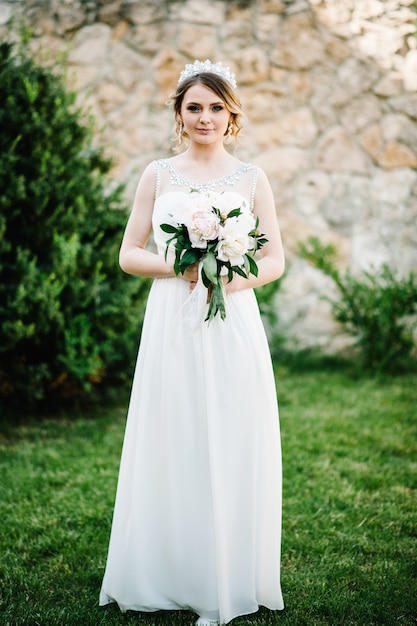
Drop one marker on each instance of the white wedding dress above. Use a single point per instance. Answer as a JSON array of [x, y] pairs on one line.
[[197, 519]]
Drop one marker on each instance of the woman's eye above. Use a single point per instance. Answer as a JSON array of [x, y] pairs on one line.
[[218, 107], [193, 108]]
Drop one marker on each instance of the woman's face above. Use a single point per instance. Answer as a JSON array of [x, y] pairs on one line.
[[204, 115]]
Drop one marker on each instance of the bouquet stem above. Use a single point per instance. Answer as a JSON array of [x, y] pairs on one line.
[[216, 300]]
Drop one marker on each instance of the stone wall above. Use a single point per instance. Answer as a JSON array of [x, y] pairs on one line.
[[330, 92]]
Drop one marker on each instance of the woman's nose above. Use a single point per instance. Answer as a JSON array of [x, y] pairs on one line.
[[204, 116]]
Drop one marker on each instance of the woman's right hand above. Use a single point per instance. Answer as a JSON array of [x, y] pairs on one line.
[[191, 275]]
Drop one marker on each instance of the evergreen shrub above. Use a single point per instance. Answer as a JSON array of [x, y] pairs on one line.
[[70, 319], [378, 308]]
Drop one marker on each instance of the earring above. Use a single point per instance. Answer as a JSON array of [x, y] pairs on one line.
[[180, 127]]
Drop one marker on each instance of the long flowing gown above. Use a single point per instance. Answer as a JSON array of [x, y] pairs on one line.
[[197, 519]]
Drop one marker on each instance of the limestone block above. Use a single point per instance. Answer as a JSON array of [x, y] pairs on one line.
[[145, 11], [128, 68], [334, 13], [70, 15], [110, 12], [120, 162], [299, 46], [347, 204], [120, 30], [392, 186], [203, 12], [167, 66], [266, 28], [272, 6], [81, 77], [294, 229], [353, 79], [360, 113], [278, 75], [235, 35], [410, 71], [322, 80], [368, 249], [405, 103], [147, 38], [371, 140], [389, 85], [40, 20], [305, 317], [368, 9], [393, 125], [240, 12], [300, 85], [310, 191], [110, 96], [134, 108], [47, 49], [282, 163], [251, 66], [297, 6], [295, 128], [408, 136], [5, 12], [337, 151], [384, 142], [396, 155], [382, 44], [90, 45], [197, 42], [337, 49], [265, 103]]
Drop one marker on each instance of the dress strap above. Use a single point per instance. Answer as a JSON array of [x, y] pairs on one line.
[[253, 188], [157, 178]]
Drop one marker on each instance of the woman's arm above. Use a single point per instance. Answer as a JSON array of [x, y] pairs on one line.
[[271, 263], [134, 258]]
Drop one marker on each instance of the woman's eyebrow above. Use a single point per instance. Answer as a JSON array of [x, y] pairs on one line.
[[211, 103]]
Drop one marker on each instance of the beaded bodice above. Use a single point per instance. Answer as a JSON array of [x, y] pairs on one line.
[[171, 189], [243, 178]]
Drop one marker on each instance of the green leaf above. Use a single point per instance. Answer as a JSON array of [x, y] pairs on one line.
[[168, 228], [217, 302], [253, 265], [188, 258], [206, 281], [167, 248], [210, 266], [239, 270]]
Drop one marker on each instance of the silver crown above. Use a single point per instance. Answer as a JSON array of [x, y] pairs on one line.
[[192, 69]]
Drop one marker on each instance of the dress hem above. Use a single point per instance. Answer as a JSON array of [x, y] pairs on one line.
[[176, 607]]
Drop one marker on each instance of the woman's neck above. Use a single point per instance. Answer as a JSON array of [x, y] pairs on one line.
[[214, 159]]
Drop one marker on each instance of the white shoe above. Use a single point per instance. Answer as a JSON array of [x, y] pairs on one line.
[[206, 622]]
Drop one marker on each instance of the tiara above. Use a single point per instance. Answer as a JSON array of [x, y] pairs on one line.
[[192, 69]]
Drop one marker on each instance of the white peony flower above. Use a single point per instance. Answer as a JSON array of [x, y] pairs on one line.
[[229, 200], [246, 222], [233, 242]]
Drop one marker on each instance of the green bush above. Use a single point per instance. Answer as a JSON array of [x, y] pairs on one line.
[[70, 319], [378, 308]]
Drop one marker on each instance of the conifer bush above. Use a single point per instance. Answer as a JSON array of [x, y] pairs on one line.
[[378, 308], [69, 318]]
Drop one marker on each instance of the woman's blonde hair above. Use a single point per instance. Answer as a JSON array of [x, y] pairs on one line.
[[222, 88]]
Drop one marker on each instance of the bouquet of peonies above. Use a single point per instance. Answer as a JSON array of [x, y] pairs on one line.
[[219, 230]]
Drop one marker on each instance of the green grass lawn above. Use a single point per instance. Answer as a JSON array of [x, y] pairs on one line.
[[350, 509]]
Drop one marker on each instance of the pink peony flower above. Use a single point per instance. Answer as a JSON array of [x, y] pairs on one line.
[[202, 225]]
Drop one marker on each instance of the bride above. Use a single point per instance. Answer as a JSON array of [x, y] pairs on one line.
[[197, 518]]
